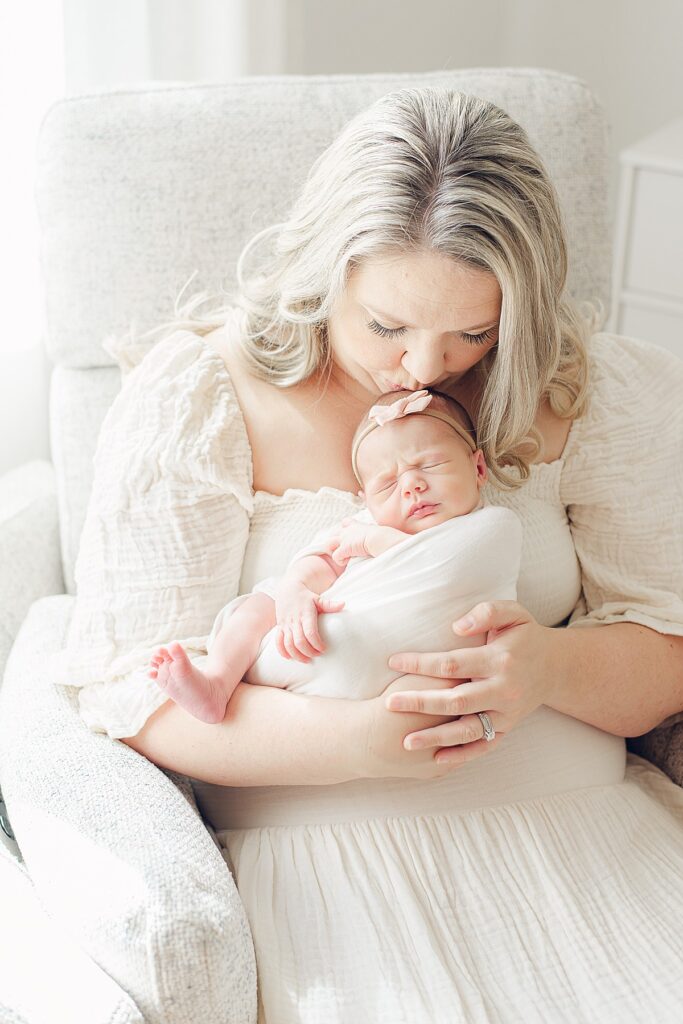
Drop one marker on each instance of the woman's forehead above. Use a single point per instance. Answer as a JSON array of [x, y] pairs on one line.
[[427, 291]]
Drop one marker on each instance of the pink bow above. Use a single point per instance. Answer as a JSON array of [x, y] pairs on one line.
[[416, 402]]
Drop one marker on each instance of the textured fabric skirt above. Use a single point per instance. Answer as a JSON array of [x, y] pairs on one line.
[[541, 883]]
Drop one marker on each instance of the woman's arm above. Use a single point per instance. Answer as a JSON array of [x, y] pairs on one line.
[[621, 677], [271, 737]]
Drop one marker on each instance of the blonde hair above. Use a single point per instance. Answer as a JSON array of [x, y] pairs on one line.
[[437, 170]]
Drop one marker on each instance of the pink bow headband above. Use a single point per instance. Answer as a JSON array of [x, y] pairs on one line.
[[415, 402]]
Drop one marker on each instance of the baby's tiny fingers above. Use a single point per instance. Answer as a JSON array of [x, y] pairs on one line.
[[301, 641], [313, 636], [280, 643], [290, 644]]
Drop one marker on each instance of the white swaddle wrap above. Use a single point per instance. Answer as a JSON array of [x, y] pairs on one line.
[[402, 600]]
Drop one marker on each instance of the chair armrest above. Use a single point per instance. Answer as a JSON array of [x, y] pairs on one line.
[[30, 555], [72, 989], [118, 855]]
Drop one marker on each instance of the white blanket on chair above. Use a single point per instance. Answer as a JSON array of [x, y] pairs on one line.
[[403, 600]]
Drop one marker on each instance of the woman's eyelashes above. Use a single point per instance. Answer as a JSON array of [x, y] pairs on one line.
[[386, 332], [395, 332]]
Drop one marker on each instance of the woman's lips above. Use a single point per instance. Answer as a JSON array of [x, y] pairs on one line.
[[425, 510], [388, 386]]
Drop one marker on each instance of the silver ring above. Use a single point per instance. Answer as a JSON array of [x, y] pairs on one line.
[[489, 731]]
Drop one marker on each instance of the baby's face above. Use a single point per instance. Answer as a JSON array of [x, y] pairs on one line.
[[417, 473]]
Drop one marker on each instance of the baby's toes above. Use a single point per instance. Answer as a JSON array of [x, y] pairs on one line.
[[152, 673]]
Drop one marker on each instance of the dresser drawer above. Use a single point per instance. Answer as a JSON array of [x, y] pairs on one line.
[[657, 325], [655, 245]]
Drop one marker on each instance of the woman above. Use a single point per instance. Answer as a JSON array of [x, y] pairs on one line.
[[395, 881]]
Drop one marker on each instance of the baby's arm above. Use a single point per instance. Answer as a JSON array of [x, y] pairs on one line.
[[298, 601], [363, 539], [381, 538], [317, 572]]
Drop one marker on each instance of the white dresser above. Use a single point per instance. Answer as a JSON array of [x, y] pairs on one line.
[[647, 286]]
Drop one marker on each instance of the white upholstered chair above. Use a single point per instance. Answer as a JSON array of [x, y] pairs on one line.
[[122, 906]]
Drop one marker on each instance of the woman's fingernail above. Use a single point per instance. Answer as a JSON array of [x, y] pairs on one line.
[[464, 623], [396, 704], [412, 743], [395, 663]]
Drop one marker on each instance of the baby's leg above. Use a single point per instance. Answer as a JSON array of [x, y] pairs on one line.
[[205, 692]]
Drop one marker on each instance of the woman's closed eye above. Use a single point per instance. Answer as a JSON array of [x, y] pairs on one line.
[[395, 332]]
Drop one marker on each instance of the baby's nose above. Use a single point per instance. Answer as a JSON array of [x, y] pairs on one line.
[[413, 482]]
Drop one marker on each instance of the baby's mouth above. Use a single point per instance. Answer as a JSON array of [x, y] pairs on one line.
[[422, 509]]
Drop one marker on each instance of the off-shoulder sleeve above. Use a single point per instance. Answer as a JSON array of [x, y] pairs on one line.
[[168, 519], [622, 484]]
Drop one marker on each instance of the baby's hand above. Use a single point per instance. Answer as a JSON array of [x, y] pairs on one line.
[[351, 541], [296, 613]]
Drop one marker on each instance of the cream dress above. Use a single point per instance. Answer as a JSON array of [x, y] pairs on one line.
[[541, 883]]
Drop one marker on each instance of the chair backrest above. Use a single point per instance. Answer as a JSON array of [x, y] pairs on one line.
[[137, 189]]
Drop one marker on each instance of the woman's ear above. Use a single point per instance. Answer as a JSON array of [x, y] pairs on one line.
[[480, 467]]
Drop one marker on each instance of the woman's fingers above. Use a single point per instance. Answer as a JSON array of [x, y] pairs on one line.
[[464, 663], [468, 729], [462, 699], [491, 615], [454, 756]]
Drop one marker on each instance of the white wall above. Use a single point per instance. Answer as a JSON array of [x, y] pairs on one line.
[[31, 78], [629, 52], [346, 36]]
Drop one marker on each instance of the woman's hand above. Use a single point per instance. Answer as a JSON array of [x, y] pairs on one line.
[[382, 752], [508, 677]]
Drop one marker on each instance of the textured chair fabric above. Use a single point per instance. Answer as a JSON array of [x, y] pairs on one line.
[[137, 189], [72, 989], [116, 849], [29, 546]]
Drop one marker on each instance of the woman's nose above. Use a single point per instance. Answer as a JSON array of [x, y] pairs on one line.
[[425, 365]]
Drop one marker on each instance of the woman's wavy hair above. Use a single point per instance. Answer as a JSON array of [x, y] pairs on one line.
[[437, 170]]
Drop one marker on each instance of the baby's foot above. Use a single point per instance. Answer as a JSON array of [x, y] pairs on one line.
[[202, 695]]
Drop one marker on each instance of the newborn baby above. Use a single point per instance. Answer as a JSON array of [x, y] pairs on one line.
[[422, 552]]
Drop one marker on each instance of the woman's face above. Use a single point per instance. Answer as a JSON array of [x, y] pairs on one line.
[[413, 321]]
